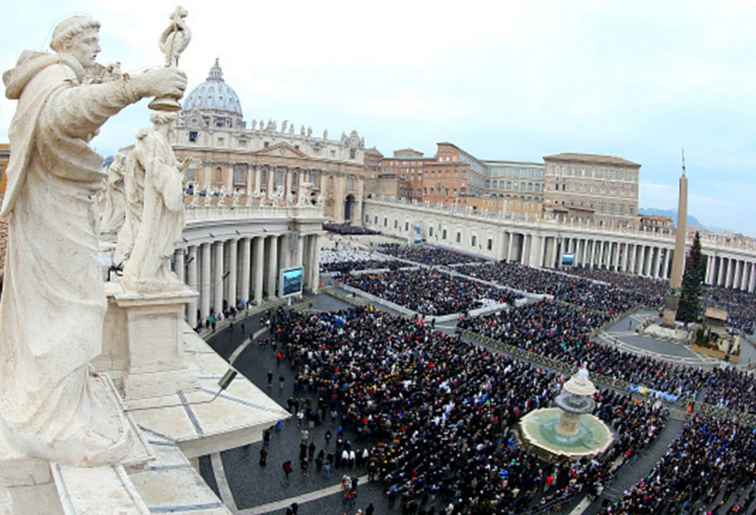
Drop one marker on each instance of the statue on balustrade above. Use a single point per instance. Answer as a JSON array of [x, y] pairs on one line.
[[148, 268], [110, 202], [49, 405]]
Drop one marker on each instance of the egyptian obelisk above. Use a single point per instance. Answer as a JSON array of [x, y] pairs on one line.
[[678, 258]]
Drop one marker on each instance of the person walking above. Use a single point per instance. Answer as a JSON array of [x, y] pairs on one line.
[[287, 469], [311, 450], [328, 436], [281, 383], [370, 510], [270, 379], [263, 457]]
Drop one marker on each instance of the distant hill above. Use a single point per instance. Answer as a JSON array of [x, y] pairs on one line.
[[693, 222]]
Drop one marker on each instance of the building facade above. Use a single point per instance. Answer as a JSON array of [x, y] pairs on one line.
[[588, 186], [266, 160]]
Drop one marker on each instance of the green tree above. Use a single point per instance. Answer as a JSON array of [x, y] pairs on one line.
[[689, 307]]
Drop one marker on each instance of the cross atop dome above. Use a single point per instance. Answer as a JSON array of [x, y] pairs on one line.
[[215, 72]]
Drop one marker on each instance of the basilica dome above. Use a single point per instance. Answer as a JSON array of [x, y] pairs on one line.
[[214, 95]]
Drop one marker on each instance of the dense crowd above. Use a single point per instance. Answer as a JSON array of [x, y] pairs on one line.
[[740, 306], [347, 260], [710, 468], [573, 290], [428, 255], [563, 332], [429, 292], [653, 290], [439, 414], [349, 230]]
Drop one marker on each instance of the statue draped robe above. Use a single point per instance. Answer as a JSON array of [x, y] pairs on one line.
[[162, 222], [53, 302]]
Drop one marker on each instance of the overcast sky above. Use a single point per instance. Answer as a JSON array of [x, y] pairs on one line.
[[503, 80]]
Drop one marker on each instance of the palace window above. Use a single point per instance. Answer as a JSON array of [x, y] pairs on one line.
[[443, 234], [459, 237], [490, 244], [473, 241], [193, 135]]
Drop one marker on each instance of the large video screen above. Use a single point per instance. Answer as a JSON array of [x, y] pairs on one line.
[[292, 281], [568, 259]]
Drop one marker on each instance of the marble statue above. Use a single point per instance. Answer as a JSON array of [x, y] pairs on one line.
[[176, 37], [309, 132], [302, 130], [325, 135], [112, 205], [134, 200], [284, 125], [148, 268], [48, 408], [173, 41], [254, 124], [291, 129]]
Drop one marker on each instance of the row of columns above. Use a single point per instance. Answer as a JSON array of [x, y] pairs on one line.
[[547, 251], [237, 271], [731, 272]]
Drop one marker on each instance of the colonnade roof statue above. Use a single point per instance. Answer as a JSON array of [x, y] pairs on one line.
[[48, 409]]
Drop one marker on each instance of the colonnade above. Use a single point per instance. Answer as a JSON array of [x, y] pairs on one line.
[[237, 271]]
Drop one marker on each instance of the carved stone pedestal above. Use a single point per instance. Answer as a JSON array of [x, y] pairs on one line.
[[143, 342]]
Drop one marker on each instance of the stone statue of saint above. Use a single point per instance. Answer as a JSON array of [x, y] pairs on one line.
[[134, 207], [49, 405], [148, 268], [112, 205]]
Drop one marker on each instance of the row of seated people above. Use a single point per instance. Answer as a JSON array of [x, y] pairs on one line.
[[345, 260], [441, 414], [428, 255], [558, 331], [430, 292], [573, 290], [348, 229], [709, 468]]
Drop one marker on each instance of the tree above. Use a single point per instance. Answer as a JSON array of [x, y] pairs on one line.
[[689, 307]]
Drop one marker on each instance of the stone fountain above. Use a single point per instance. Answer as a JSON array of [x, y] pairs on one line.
[[567, 430]]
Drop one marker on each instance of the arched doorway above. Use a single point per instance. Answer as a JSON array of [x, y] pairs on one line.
[[348, 208]]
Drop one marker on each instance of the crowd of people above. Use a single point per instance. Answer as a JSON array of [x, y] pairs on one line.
[[558, 331], [345, 260], [349, 230], [427, 255], [653, 290], [573, 290], [430, 292], [439, 415], [710, 468], [740, 306]]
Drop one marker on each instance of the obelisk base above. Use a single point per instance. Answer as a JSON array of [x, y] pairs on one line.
[[669, 314]]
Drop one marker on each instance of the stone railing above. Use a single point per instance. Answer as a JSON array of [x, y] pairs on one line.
[[207, 213]]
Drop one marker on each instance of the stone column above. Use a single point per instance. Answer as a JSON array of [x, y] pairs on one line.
[[707, 275], [744, 276], [233, 266], [594, 254], [509, 247], [752, 279], [315, 266], [665, 271], [720, 272], [284, 253], [272, 279], [729, 272], [207, 177], [246, 266], [654, 262], [525, 252], [218, 281], [259, 264], [299, 260], [192, 273], [207, 281], [180, 265], [271, 182]]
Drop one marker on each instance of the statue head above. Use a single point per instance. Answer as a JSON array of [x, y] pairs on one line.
[[79, 37]]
